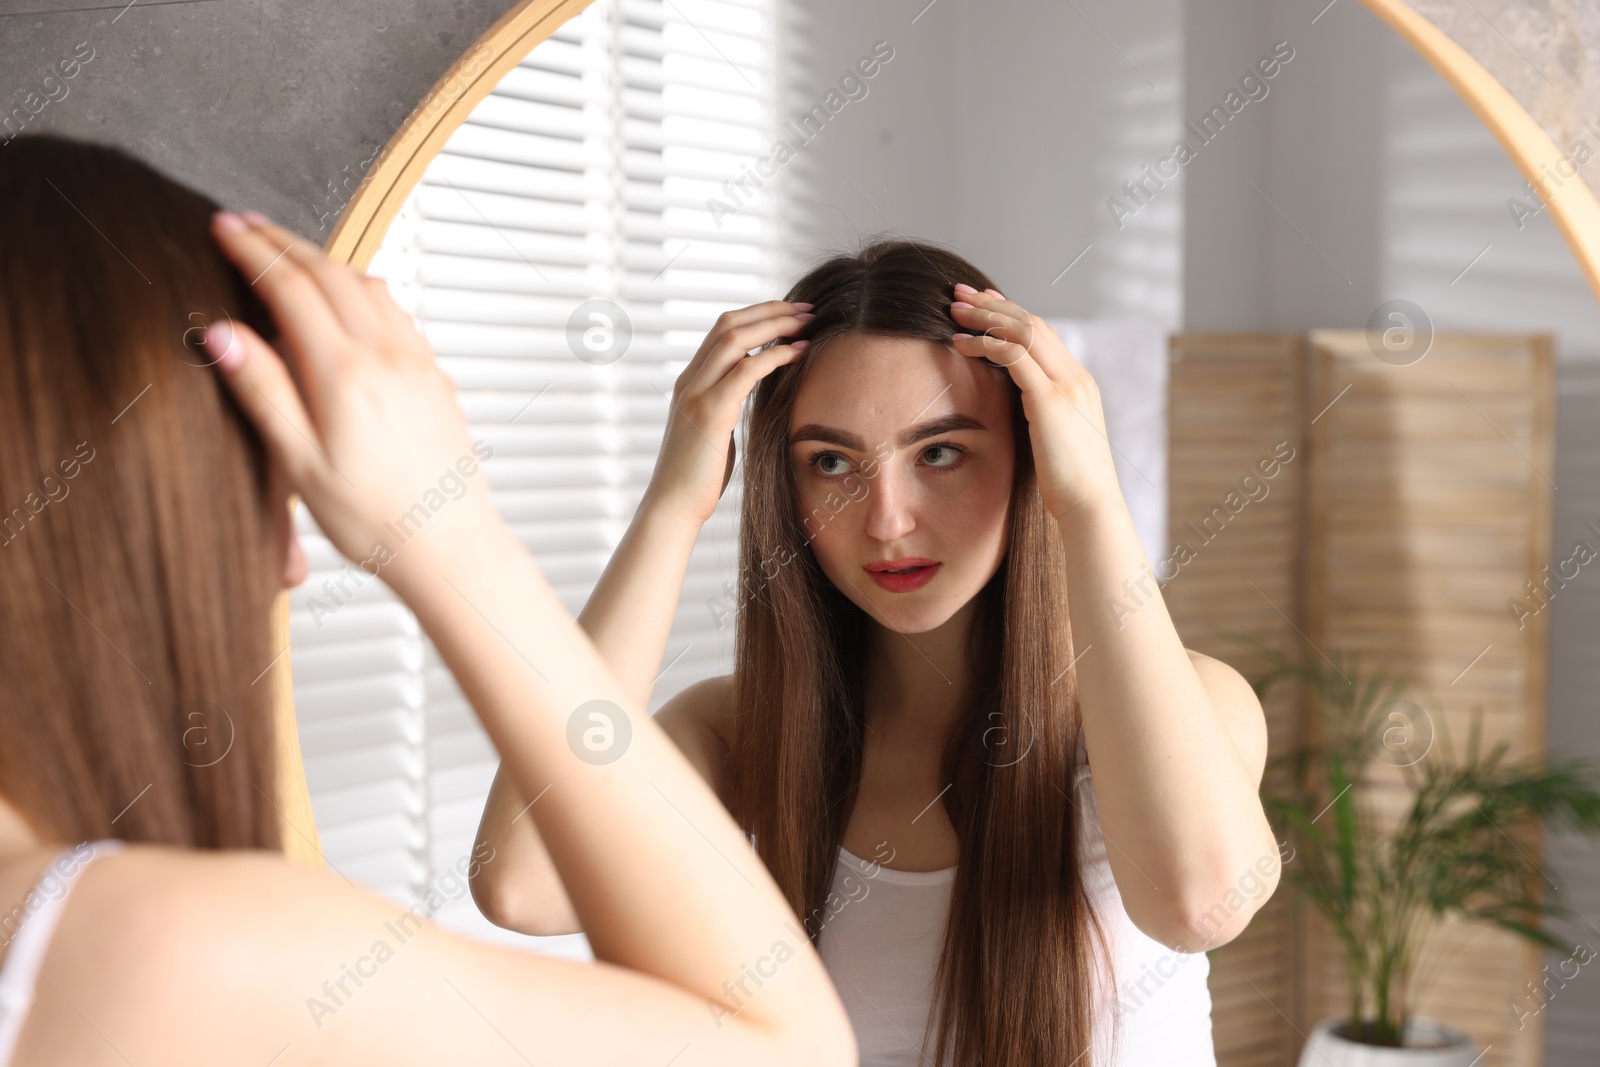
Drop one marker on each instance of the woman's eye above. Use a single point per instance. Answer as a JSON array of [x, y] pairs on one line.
[[821, 459], [940, 457]]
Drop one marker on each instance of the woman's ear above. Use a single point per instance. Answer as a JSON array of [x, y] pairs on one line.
[[295, 567], [289, 554]]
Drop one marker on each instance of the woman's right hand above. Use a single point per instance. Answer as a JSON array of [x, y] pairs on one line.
[[351, 402], [697, 451]]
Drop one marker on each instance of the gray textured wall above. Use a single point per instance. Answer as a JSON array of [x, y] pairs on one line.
[[265, 104]]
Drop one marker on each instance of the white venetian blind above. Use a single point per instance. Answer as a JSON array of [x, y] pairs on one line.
[[580, 185]]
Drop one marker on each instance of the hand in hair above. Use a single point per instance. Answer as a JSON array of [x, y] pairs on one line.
[[1066, 423], [656, 871], [696, 457], [354, 372], [1177, 739]]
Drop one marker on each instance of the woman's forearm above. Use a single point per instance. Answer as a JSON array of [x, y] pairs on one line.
[[629, 614], [628, 617], [1178, 804], [656, 870]]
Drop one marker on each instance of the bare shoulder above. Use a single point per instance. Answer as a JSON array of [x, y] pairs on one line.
[[232, 942], [188, 906], [190, 959], [699, 719], [1215, 673], [1236, 702]]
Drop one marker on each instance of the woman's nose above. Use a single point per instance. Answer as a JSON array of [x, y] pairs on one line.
[[890, 502]]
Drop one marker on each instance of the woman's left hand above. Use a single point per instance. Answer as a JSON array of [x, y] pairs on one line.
[[1062, 402]]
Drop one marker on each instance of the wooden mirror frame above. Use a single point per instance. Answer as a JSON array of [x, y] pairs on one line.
[[1572, 204], [447, 105]]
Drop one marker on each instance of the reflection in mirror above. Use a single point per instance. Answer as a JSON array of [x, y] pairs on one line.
[[1186, 198], [560, 258]]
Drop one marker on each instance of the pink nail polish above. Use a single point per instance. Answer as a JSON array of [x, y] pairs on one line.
[[963, 336], [228, 222], [961, 304], [255, 218], [963, 287], [226, 351], [995, 292]]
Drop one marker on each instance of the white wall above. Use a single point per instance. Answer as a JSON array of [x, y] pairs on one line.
[[1001, 131], [1375, 182]]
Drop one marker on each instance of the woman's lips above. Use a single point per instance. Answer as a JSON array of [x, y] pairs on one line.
[[919, 574]]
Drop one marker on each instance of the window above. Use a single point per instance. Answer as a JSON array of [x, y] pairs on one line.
[[565, 255]]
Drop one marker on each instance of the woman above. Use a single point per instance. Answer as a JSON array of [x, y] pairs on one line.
[[913, 682], [148, 536]]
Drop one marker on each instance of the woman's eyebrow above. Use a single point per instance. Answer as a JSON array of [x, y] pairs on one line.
[[815, 431]]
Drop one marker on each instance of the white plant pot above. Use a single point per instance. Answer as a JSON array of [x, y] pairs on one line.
[[1428, 1044]]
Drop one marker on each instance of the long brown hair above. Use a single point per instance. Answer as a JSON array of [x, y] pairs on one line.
[[1015, 982], [136, 563]]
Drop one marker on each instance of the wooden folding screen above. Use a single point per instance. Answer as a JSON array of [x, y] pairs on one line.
[[1233, 402], [1430, 512], [1415, 510]]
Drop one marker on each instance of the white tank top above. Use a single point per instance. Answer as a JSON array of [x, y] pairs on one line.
[[884, 929], [27, 932]]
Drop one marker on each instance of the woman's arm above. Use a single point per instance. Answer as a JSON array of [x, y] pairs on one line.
[[369, 433], [522, 890], [1176, 744], [628, 617], [629, 614]]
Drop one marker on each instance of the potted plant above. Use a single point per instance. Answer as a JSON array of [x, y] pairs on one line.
[[1449, 847]]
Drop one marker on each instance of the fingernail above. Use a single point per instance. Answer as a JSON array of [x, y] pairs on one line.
[[798, 344], [805, 316], [226, 352], [963, 287], [961, 304], [228, 222], [256, 218], [804, 306], [963, 336], [996, 292]]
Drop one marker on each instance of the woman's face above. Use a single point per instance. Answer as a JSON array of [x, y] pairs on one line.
[[902, 454]]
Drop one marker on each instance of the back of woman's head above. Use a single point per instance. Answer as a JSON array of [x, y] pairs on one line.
[[137, 569]]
